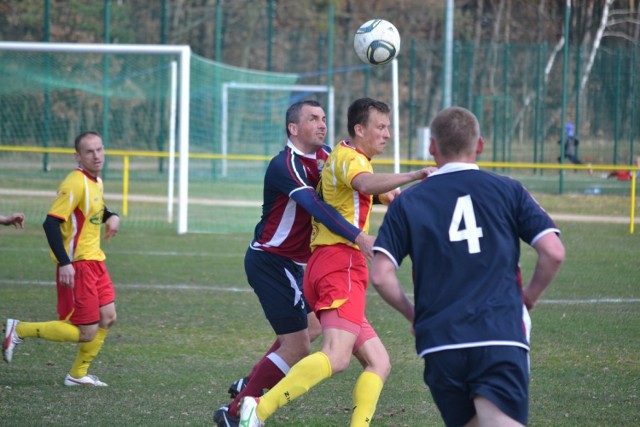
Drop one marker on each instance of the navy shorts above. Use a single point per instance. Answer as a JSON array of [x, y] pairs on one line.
[[277, 281], [498, 373]]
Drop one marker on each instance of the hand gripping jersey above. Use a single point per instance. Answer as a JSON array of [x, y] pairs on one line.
[[80, 204], [462, 229], [342, 166]]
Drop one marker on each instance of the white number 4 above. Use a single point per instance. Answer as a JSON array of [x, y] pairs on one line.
[[471, 233]]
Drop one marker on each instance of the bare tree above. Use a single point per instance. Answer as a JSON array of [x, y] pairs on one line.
[[596, 44], [493, 56], [477, 39]]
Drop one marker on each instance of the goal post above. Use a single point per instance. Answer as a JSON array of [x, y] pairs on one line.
[[162, 105], [184, 62]]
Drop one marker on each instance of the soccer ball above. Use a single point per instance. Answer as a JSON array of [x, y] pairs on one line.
[[377, 42]]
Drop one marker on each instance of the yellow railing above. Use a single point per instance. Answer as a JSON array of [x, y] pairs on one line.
[[127, 154]]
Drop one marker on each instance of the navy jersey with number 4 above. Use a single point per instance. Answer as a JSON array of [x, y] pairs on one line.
[[462, 228]]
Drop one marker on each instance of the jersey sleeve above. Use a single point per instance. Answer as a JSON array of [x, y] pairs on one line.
[[350, 166], [533, 220], [67, 199], [325, 214], [51, 228], [287, 174]]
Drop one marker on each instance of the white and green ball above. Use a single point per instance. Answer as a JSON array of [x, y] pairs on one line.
[[377, 42]]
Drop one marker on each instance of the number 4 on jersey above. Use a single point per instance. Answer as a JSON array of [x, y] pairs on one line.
[[471, 233]]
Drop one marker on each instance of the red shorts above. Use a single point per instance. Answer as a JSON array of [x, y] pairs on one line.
[[364, 332], [92, 289], [337, 277]]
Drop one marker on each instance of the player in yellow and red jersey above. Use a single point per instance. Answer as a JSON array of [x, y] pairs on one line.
[[336, 277], [86, 295]]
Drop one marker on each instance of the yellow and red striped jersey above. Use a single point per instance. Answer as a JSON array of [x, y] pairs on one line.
[[80, 204], [344, 163]]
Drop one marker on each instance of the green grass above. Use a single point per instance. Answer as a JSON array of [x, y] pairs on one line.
[[188, 325]]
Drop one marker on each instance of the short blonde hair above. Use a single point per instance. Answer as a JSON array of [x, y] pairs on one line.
[[456, 131]]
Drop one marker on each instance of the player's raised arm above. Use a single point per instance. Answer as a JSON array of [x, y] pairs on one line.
[[379, 183]]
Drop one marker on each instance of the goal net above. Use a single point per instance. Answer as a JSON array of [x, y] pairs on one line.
[[47, 96]]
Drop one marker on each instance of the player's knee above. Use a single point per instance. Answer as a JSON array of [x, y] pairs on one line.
[[108, 321], [339, 363], [111, 321], [302, 350], [294, 347], [87, 334], [313, 327], [108, 317], [381, 366], [385, 371], [315, 331]]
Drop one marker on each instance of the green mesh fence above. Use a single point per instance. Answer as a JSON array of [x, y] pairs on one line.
[[48, 98]]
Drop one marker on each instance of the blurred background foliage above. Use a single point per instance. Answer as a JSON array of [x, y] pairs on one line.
[[507, 57]]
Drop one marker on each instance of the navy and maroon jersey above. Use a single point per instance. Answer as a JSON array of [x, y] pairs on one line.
[[289, 201], [462, 228]]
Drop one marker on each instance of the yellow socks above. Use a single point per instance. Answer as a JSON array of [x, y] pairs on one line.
[[303, 376], [87, 351], [61, 331], [365, 398], [312, 370], [56, 330]]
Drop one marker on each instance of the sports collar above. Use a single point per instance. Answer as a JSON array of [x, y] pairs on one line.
[[347, 143], [298, 152], [87, 174], [455, 167]]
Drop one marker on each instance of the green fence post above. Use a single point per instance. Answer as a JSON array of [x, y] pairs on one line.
[[163, 79], [270, 18], [495, 129], [634, 96], [105, 82], [412, 67], [330, 34], [469, 57], [577, 101], [218, 53], [456, 60], [505, 128], [565, 70], [537, 106], [47, 102], [543, 107], [320, 51], [616, 111]]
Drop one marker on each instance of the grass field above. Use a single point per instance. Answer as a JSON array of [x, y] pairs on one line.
[[189, 325]]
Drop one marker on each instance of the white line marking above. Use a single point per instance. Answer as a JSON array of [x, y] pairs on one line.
[[178, 286], [231, 288], [255, 203], [590, 301], [139, 253]]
